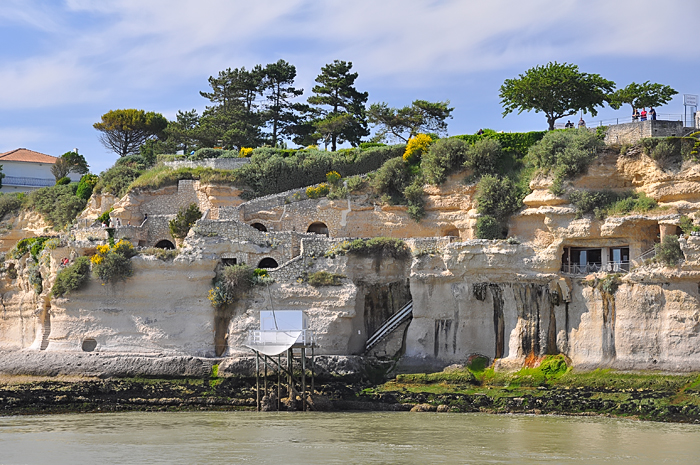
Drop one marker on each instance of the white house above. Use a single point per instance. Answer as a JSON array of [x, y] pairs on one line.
[[27, 170]]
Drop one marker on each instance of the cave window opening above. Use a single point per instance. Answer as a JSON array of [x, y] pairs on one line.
[[318, 228], [89, 345], [582, 260], [229, 261], [259, 227], [165, 244], [268, 263]]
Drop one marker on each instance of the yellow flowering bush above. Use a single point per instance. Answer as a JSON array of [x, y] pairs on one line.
[[246, 152], [319, 191], [416, 146], [113, 263], [333, 177]]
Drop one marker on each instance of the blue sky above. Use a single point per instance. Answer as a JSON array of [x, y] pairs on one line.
[[65, 63]]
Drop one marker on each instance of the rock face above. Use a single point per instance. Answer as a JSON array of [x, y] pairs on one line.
[[509, 300]]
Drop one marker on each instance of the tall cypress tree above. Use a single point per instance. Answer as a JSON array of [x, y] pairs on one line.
[[339, 100]]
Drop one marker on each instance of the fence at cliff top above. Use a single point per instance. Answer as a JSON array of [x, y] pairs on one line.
[[627, 119]]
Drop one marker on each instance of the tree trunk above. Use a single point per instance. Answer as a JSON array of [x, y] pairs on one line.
[[551, 120]]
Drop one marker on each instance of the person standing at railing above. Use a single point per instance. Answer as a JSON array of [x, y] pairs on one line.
[[581, 123], [652, 114], [644, 114], [635, 114]]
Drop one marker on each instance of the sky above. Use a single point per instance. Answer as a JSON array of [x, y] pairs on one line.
[[64, 63]]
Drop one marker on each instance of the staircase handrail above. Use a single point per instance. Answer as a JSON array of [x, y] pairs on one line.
[[390, 324]]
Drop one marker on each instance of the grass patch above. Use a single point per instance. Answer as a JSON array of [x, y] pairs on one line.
[[324, 278]]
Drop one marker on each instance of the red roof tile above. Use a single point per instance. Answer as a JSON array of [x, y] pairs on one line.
[[27, 156]]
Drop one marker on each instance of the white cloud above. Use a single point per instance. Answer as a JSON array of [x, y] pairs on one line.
[[131, 46]]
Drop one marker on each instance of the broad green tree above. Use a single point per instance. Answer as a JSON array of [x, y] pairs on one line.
[[281, 113], [335, 95], [125, 131], [235, 118], [642, 95], [69, 162], [403, 123], [557, 90]]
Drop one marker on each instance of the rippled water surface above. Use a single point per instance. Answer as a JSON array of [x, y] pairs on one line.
[[341, 438]]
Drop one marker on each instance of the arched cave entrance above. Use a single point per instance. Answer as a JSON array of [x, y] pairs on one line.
[[268, 263], [318, 228], [165, 244], [89, 344], [451, 232], [259, 227]]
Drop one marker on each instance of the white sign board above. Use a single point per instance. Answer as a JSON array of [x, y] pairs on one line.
[[690, 100]]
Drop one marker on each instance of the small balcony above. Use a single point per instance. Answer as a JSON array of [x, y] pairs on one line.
[[588, 268]]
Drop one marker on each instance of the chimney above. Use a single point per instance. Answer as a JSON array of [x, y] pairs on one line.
[[75, 150]]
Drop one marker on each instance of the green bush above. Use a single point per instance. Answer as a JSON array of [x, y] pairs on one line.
[[160, 254], [57, 204], [669, 251], [392, 179], [162, 176], [71, 278], [687, 225], [29, 244], [483, 156], [444, 157], [137, 162], [117, 179], [593, 201], [637, 202], [669, 150], [86, 185], [568, 153], [232, 282], [488, 227], [63, 181], [413, 194], [104, 218], [324, 278], [35, 279], [183, 221], [113, 263], [513, 142], [9, 203], [497, 197], [204, 153], [376, 246]]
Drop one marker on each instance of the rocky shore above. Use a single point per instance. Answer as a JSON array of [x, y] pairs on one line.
[[33, 395]]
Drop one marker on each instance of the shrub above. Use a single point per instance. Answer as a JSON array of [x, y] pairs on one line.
[[567, 152], [376, 246], [687, 225], [324, 278], [184, 220], [488, 227], [233, 282], [86, 185], [414, 196], [415, 147], [137, 162], [104, 218], [9, 203], [497, 197], [160, 254], [593, 201], [71, 278], [483, 155], [35, 279], [392, 179], [161, 176], [29, 244], [637, 202], [315, 192], [57, 204], [355, 183], [333, 178], [669, 251], [63, 181], [668, 150], [203, 153], [246, 152], [117, 179], [113, 263], [443, 157]]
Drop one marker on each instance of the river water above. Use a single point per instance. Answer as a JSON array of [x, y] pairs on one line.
[[341, 438]]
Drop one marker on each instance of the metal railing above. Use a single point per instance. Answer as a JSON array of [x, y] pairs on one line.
[[583, 269], [628, 119], [391, 324], [260, 337], [27, 181]]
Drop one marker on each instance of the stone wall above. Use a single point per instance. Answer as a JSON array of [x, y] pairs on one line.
[[215, 163], [629, 133]]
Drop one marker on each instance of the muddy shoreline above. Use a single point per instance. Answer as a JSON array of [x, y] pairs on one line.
[[22, 396]]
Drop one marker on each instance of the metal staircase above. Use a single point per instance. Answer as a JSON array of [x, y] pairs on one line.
[[46, 330], [390, 325]]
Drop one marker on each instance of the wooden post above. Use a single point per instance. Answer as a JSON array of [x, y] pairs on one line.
[[279, 380], [265, 382], [303, 379], [257, 381], [290, 354], [313, 388]]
